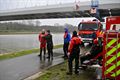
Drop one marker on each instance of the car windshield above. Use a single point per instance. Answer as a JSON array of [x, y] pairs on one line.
[[87, 26]]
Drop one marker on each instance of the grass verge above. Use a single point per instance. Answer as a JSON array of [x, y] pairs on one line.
[[58, 72], [22, 53]]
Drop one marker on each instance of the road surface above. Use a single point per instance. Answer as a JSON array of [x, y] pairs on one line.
[[22, 67], [25, 66]]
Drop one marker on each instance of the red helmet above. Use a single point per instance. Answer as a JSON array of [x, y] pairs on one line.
[[95, 41]]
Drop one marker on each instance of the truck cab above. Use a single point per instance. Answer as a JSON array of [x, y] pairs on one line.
[[87, 31]]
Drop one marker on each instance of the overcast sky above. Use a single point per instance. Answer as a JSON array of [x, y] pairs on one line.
[[14, 4]]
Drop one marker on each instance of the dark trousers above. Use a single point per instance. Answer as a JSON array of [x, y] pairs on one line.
[[70, 60], [50, 50], [42, 49], [65, 49]]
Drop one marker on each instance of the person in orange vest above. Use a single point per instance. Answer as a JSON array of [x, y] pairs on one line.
[[73, 53], [99, 31], [100, 35], [42, 43]]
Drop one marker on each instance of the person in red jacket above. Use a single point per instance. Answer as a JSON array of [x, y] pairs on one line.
[[42, 43], [73, 53]]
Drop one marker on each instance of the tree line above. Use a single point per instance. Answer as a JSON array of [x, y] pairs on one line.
[[18, 27]]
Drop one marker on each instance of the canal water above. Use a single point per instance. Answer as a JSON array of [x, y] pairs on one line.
[[19, 42]]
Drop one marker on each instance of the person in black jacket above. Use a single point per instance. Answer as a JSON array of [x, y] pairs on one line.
[[49, 40]]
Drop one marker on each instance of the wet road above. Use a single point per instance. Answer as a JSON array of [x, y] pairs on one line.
[[25, 66], [22, 67]]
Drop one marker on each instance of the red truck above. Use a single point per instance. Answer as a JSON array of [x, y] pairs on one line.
[[87, 30], [111, 49]]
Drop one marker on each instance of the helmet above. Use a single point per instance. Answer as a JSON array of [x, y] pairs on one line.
[[66, 29], [95, 41]]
